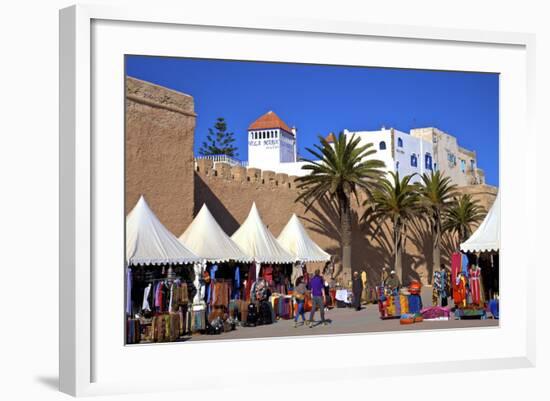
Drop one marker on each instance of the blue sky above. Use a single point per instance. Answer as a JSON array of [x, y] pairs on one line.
[[318, 99]]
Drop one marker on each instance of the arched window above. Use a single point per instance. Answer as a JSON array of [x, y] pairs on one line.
[[399, 142], [382, 145], [428, 161], [414, 160]]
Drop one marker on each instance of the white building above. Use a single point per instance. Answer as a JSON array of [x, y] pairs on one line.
[[272, 146]]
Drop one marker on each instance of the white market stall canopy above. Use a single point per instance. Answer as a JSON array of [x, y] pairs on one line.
[[205, 238], [294, 240], [487, 237], [148, 242], [258, 243]]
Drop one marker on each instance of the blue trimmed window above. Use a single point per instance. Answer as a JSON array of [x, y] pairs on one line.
[[428, 161], [414, 160], [382, 145], [399, 142]]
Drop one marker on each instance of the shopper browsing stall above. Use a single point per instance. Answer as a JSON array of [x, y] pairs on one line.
[[300, 298], [317, 286]]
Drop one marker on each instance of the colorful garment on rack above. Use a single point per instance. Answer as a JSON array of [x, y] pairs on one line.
[[129, 291], [267, 274], [146, 293], [475, 285], [456, 260], [133, 331], [251, 279], [465, 264], [198, 320], [221, 293], [459, 293], [415, 303]]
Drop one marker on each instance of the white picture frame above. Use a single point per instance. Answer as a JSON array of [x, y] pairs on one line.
[[81, 168]]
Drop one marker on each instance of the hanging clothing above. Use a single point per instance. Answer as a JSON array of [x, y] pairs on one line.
[[213, 270], [296, 272], [456, 260], [305, 275], [129, 291], [145, 304], [475, 285], [268, 274], [236, 284], [250, 280], [459, 294], [465, 264], [440, 289]]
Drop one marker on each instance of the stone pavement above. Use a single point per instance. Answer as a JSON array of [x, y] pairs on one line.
[[343, 321]]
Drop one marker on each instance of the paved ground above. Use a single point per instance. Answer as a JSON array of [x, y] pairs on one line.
[[344, 321]]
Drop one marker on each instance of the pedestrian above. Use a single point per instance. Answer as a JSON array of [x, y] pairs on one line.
[[300, 298], [365, 295], [357, 290], [316, 284], [393, 283]]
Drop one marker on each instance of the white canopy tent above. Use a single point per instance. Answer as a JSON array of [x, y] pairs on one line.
[[487, 236], [148, 242], [205, 238], [294, 240], [258, 243]]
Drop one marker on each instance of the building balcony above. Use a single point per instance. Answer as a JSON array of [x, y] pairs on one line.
[[223, 159]]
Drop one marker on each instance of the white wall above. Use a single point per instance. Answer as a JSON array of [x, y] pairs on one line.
[[264, 151], [411, 145], [375, 137]]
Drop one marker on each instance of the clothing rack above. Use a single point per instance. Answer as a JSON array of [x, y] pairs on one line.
[[164, 279]]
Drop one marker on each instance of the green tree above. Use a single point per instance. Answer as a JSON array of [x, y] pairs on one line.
[[437, 195], [341, 169], [219, 141], [395, 201], [464, 214]]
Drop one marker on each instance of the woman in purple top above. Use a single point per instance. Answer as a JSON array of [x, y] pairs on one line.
[[317, 286]]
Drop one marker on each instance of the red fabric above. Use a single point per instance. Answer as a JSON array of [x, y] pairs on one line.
[[456, 260], [475, 288], [459, 295], [268, 274], [249, 281]]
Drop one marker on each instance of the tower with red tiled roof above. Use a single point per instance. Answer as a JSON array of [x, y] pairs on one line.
[[270, 142]]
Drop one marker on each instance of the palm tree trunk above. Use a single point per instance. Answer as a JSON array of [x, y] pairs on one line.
[[398, 249], [345, 223], [436, 244]]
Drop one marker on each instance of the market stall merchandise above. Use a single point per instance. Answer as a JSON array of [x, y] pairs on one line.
[[392, 305], [434, 313], [159, 279]]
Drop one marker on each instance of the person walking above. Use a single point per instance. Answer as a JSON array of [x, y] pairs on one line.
[[300, 298], [357, 290], [317, 286]]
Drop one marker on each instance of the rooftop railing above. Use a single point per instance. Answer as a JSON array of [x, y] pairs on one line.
[[223, 159]]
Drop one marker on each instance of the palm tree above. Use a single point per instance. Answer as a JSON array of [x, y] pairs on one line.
[[437, 194], [464, 213], [397, 201], [341, 169]]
